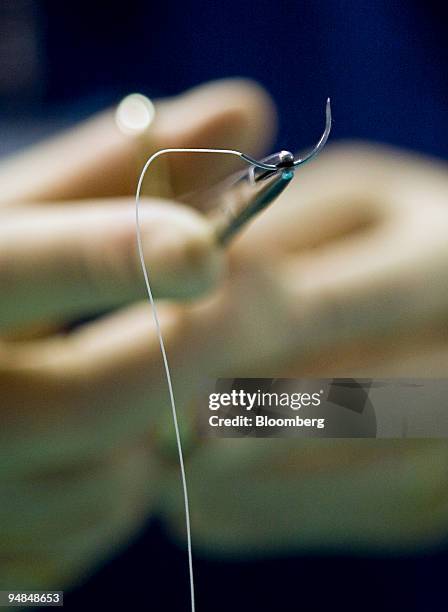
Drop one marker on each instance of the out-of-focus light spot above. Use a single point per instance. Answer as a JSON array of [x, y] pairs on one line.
[[134, 114]]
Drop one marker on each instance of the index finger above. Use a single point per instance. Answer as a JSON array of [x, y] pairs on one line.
[[79, 259], [95, 159], [392, 277]]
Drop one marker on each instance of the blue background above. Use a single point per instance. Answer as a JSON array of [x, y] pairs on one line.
[[384, 63]]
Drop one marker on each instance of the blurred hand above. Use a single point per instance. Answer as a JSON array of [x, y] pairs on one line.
[[345, 270], [345, 275], [327, 282], [78, 471]]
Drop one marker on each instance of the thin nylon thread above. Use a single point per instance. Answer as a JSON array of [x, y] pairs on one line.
[[253, 162], [162, 344]]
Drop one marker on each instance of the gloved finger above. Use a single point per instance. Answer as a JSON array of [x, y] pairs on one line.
[[95, 159], [75, 498], [372, 283], [61, 523], [99, 388], [412, 352], [79, 259], [349, 189]]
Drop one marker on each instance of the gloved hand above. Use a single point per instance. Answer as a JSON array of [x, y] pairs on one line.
[[344, 275], [78, 473]]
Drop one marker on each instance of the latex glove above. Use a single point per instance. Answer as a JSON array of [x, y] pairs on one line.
[[78, 473], [345, 275]]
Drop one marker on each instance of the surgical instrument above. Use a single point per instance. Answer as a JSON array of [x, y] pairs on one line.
[[260, 185]]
